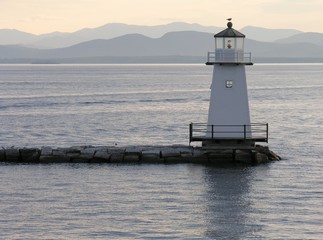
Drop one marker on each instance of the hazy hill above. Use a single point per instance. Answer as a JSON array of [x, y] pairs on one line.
[[283, 50], [266, 34], [12, 36], [180, 44], [309, 37], [16, 51], [113, 30], [131, 45]]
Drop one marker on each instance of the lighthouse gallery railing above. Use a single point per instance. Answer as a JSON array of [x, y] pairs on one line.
[[257, 132], [229, 57]]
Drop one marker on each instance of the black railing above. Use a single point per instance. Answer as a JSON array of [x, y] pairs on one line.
[[257, 132], [228, 57]]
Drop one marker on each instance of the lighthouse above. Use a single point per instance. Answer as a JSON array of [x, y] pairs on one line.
[[228, 120]]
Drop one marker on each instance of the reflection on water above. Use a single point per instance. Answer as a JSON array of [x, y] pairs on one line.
[[264, 202], [228, 203], [181, 201]]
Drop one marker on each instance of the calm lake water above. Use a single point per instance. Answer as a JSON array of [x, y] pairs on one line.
[[66, 105]]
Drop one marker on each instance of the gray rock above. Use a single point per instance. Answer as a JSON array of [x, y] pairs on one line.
[[74, 149], [101, 156], [117, 154], [261, 158], [117, 157], [131, 158], [90, 151], [243, 156], [46, 151], [60, 152], [133, 150], [152, 156], [53, 159], [116, 150], [156, 152], [2, 155], [170, 152], [273, 156], [72, 152], [12, 155], [220, 157], [30, 154], [198, 152], [132, 155]]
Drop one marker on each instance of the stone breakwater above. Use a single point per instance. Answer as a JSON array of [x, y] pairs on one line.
[[137, 154]]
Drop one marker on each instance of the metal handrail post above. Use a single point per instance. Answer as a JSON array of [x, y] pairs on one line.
[[244, 132], [191, 132]]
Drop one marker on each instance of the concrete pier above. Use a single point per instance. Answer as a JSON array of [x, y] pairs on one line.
[[137, 154]]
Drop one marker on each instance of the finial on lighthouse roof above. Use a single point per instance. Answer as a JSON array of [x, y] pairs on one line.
[[229, 24], [229, 32]]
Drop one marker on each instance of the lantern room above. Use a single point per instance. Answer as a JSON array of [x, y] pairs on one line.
[[229, 48], [229, 39]]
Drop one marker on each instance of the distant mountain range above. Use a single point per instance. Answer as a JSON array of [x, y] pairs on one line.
[[108, 31], [175, 42]]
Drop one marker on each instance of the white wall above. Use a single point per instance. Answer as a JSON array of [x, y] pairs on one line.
[[229, 106]]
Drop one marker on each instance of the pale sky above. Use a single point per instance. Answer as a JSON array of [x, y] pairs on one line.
[[45, 16]]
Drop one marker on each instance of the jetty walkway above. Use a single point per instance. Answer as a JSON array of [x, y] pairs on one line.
[[137, 154]]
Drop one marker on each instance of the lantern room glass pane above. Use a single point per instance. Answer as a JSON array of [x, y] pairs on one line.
[[240, 43], [219, 43]]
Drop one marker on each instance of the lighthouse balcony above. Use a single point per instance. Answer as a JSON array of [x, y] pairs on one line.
[[228, 56], [255, 132]]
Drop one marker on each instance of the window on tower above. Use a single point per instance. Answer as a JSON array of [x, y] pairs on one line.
[[228, 83], [230, 43]]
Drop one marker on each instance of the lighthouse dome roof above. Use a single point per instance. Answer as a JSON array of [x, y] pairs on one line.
[[230, 32]]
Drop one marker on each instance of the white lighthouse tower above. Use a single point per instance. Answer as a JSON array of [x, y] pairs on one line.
[[229, 118]]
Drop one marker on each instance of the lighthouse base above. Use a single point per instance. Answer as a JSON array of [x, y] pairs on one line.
[[229, 144]]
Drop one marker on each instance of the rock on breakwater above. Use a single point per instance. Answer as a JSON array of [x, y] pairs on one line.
[[137, 154]]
